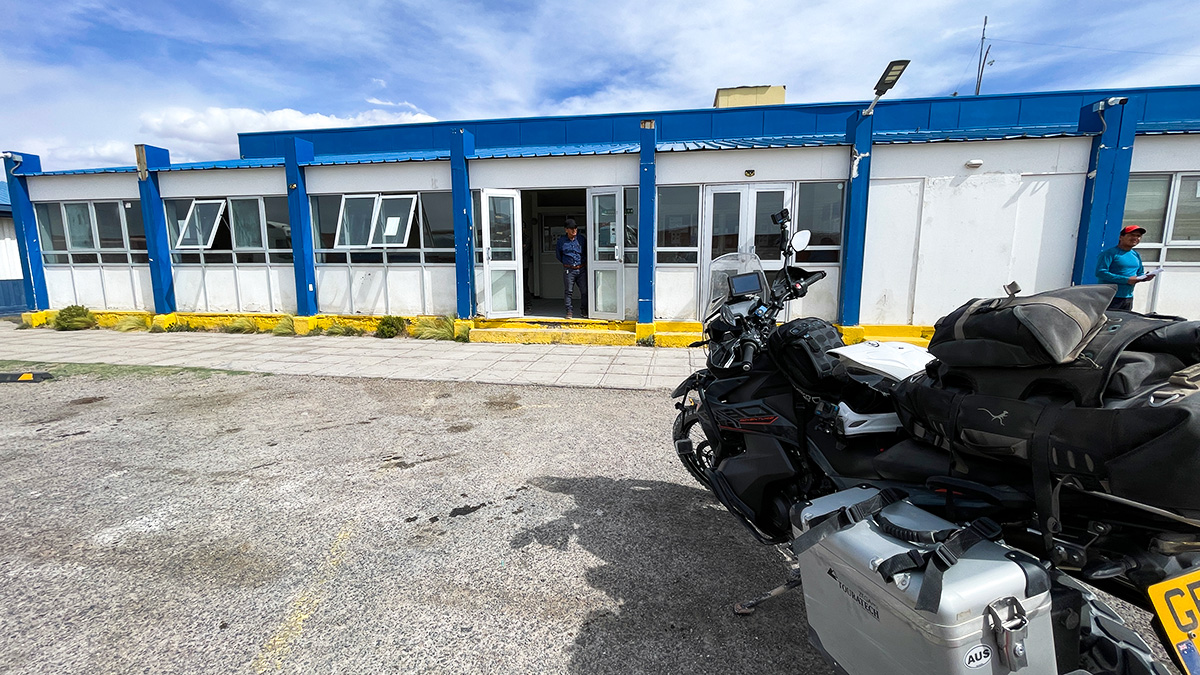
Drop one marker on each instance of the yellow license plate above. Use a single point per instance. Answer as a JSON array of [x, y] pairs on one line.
[[1177, 604]]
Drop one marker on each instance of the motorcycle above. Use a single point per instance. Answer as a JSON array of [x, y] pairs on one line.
[[783, 416]]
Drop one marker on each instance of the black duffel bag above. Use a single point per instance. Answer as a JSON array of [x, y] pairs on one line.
[[1036, 330]]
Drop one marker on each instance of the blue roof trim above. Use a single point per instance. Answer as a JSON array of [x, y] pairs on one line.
[[567, 150], [253, 163], [78, 172], [753, 143], [379, 158]]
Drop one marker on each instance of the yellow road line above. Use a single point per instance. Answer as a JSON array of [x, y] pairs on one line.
[[276, 649]]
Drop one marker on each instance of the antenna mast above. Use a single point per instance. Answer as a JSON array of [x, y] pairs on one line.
[[982, 57]]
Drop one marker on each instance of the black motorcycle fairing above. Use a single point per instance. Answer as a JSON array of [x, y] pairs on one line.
[[755, 478]]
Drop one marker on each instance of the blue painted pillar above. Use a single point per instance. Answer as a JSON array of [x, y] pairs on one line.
[[1107, 181], [647, 224], [295, 153], [29, 247], [462, 145], [854, 234], [154, 218]]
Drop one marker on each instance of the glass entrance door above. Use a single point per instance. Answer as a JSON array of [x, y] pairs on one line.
[[605, 240], [504, 293], [737, 219]]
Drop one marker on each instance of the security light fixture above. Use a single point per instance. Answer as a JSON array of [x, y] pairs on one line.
[[890, 76], [974, 163]]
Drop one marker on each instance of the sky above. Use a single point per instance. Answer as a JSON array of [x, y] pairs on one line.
[[82, 81]]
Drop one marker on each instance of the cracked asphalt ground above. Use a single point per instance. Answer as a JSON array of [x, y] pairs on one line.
[[164, 521]]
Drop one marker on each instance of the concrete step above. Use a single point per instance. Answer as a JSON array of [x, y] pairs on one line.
[[556, 324], [675, 339], [567, 336]]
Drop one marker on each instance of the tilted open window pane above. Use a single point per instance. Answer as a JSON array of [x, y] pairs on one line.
[[354, 227], [134, 225], [177, 213], [108, 224], [50, 226], [279, 229], [247, 227], [1187, 210], [325, 210], [394, 223], [201, 224], [79, 226]]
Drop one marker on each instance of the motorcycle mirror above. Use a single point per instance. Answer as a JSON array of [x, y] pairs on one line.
[[800, 240], [727, 316]]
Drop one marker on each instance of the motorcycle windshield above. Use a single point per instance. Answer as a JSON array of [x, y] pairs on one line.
[[728, 265]]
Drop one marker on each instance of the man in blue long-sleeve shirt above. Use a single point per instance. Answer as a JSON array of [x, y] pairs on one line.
[[1122, 266], [571, 251]]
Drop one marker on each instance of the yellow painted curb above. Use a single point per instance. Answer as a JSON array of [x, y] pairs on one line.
[[644, 331], [108, 319], [545, 336], [42, 318]]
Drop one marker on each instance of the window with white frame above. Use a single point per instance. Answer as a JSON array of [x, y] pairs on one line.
[[236, 230], [819, 209], [678, 236], [379, 228], [1168, 207], [89, 233]]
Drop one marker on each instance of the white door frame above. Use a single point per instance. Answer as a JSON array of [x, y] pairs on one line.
[[616, 266], [490, 265]]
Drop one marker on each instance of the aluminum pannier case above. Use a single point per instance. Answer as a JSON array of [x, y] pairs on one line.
[[994, 614]]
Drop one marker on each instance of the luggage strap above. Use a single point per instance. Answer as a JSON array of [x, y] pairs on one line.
[[844, 517], [1045, 497], [941, 558]]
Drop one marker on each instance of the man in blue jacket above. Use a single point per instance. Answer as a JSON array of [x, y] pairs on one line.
[[571, 251], [1122, 266]]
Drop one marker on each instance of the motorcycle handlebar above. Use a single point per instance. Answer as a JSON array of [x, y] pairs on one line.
[[747, 355]]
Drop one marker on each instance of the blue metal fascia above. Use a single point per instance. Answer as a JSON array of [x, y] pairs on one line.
[[29, 247], [263, 163], [1106, 183], [77, 172], [379, 158], [859, 130], [463, 146], [556, 150], [300, 216], [154, 219], [647, 228]]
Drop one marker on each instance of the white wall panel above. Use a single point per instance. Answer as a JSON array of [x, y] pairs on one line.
[[89, 288], [893, 229], [1166, 153], [10, 256], [118, 289], [368, 289], [1042, 155], [631, 293], [283, 289], [675, 294], [394, 177], [254, 288], [189, 289], [143, 288], [220, 288], [551, 172], [222, 183], [730, 166], [441, 290], [1179, 294], [333, 290], [406, 296], [85, 186], [1048, 210], [60, 287]]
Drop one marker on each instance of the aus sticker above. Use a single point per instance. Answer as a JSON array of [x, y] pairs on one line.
[[978, 657]]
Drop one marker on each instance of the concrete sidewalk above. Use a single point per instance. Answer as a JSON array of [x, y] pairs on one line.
[[397, 358]]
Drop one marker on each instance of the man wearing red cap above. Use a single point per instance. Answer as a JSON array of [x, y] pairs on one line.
[[1122, 266]]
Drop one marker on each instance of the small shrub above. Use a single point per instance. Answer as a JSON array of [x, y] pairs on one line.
[[243, 326], [647, 341], [157, 329], [390, 327], [461, 334], [286, 326], [182, 327], [343, 329], [132, 323], [316, 330], [434, 328], [25, 325], [74, 317]]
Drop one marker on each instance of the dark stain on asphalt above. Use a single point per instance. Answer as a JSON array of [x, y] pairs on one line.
[[459, 428], [434, 519], [444, 394], [77, 433], [86, 400], [411, 520], [397, 462], [465, 510], [508, 402]]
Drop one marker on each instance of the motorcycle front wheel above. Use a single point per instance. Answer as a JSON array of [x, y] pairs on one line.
[[700, 461]]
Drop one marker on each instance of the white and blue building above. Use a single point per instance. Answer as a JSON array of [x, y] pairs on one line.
[[914, 209]]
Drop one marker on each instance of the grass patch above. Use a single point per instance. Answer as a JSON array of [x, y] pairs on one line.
[[182, 327], [315, 330], [74, 317], [104, 371], [132, 323], [434, 328], [647, 341], [286, 326], [242, 326], [342, 329], [24, 325], [390, 327]]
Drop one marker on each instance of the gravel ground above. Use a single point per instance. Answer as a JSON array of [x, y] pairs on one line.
[[159, 521], [245, 523]]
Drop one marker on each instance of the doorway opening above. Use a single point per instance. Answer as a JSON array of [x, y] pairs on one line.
[[543, 214]]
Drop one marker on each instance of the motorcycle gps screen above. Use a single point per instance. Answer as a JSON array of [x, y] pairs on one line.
[[745, 284]]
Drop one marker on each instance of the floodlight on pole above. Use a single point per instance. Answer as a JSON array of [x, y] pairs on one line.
[[886, 81]]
